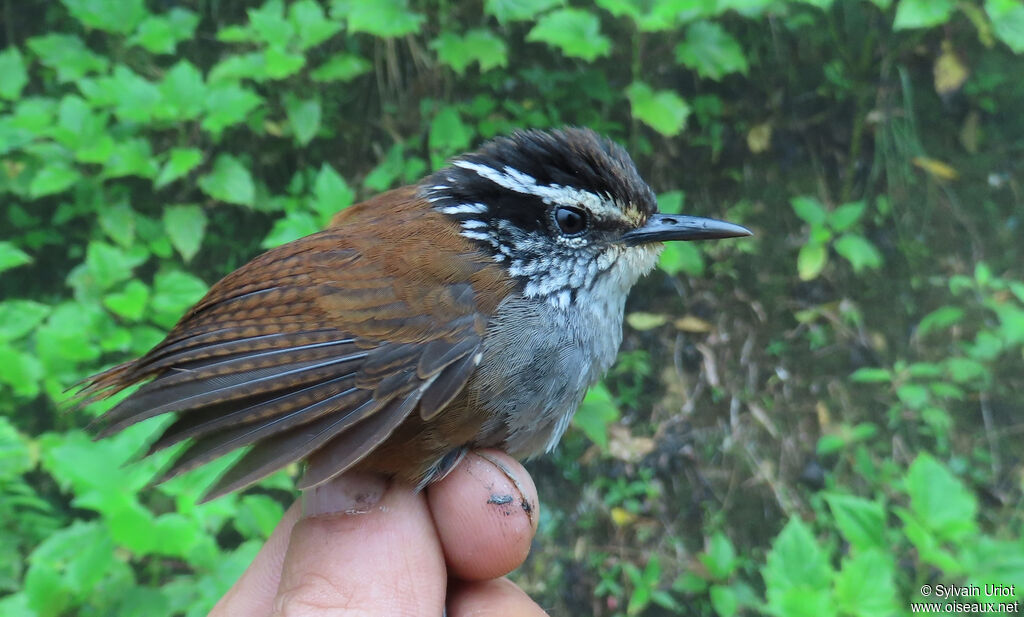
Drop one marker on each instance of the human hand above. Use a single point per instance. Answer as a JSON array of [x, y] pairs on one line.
[[360, 545]]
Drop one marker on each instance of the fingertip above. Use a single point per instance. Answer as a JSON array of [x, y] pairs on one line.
[[485, 513], [493, 598]]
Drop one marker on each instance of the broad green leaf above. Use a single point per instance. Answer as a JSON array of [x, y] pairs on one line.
[[180, 161], [174, 292], [597, 411], [82, 130], [939, 319], [724, 600], [846, 215], [19, 317], [681, 257], [858, 251], [293, 226], [914, 396], [230, 181], [237, 67], [160, 34], [54, 178], [387, 171], [68, 55], [341, 67], [183, 91], [279, 62], [966, 370], [108, 264], [811, 260], [12, 256], [810, 210], [575, 32], [711, 51], [129, 302], [797, 574], [663, 110], [135, 98], [871, 375], [20, 371], [185, 225], [15, 456], [865, 584], [120, 16], [227, 105], [448, 133], [311, 25], [304, 117], [132, 157], [13, 75], [480, 46], [641, 321], [720, 557], [939, 499], [270, 25], [383, 18], [1007, 22], [68, 566], [518, 10], [922, 13], [861, 522], [331, 193], [118, 222]]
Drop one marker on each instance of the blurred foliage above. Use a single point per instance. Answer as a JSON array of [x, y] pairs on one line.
[[815, 421]]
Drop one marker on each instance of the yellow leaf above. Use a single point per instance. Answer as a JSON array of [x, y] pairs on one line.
[[936, 168], [689, 323], [760, 137], [949, 71], [645, 321], [622, 517]]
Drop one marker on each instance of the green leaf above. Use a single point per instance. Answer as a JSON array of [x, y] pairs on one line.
[[230, 181], [388, 170], [56, 177], [663, 110], [108, 264], [1007, 22], [448, 133], [312, 26], [332, 194], [480, 46], [865, 585], [174, 292], [341, 67], [180, 161], [12, 256], [810, 210], [711, 51], [861, 522], [237, 67], [15, 457], [304, 117], [724, 600], [185, 227], [19, 317], [871, 375], [966, 370], [183, 91], [227, 105], [279, 62], [13, 75], [518, 10], [846, 215], [858, 251], [133, 157], [119, 16], [811, 260], [914, 396], [68, 55], [597, 411], [575, 32], [681, 257], [293, 226], [130, 302], [797, 574], [20, 371], [269, 24], [118, 222], [939, 500], [383, 18], [922, 13], [720, 557], [160, 34], [940, 319]]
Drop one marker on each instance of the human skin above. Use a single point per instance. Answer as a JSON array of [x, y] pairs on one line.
[[361, 546]]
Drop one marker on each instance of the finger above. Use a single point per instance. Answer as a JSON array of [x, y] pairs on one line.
[[486, 514], [353, 554], [494, 598], [254, 592]]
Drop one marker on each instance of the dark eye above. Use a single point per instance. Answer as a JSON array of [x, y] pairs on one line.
[[571, 221]]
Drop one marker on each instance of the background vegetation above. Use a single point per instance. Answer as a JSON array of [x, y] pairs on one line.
[[814, 421]]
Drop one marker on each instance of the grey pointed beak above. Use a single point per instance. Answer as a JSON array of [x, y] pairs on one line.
[[665, 227]]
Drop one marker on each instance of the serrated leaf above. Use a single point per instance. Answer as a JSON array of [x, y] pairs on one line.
[[797, 570], [518, 10], [941, 318], [846, 215], [118, 222], [382, 18], [129, 302], [54, 178], [448, 133], [331, 193], [1007, 22], [180, 161], [311, 25], [304, 117], [811, 261], [279, 62], [865, 585], [68, 55], [227, 105], [12, 256], [862, 522], [160, 34], [13, 75], [922, 13], [230, 181], [480, 46], [173, 292], [939, 499], [596, 412], [19, 317], [858, 251], [108, 264], [809, 209], [270, 25], [183, 91], [185, 226], [293, 226], [341, 67], [663, 110], [681, 257], [132, 157], [120, 16], [711, 51], [575, 32]]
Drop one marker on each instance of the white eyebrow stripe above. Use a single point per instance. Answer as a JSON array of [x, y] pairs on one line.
[[464, 209], [515, 180]]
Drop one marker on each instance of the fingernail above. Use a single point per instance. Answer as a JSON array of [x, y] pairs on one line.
[[350, 493]]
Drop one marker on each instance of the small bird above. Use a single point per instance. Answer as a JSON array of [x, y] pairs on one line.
[[470, 310]]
